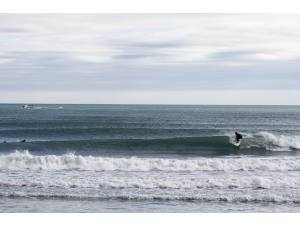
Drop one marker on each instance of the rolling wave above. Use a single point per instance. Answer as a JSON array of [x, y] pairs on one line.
[[258, 141], [21, 160]]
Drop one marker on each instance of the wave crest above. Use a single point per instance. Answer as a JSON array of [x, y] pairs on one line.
[[280, 142]]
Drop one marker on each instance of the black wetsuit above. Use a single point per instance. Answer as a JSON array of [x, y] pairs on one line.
[[238, 136]]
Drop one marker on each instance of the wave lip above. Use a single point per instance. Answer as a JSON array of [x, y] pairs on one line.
[[21, 160]]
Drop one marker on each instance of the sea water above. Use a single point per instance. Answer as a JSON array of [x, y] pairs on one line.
[[149, 158]]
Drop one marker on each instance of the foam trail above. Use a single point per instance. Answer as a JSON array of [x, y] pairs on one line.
[[151, 182], [201, 198], [21, 160]]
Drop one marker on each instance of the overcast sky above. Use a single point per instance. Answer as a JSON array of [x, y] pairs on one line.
[[150, 58]]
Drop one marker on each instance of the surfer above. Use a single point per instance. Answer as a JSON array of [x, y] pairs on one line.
[[238, 137], [24, 140]]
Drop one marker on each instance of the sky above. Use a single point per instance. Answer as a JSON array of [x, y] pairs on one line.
[[150, 58]]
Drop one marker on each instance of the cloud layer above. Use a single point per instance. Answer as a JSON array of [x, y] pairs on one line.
[[153, 53]]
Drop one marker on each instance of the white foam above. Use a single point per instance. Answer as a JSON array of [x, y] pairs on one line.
[[151, 181], [269, 141], [21, 160], [280, 142], [201, 198]]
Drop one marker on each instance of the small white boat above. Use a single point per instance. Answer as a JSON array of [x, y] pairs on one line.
[[27, 106]]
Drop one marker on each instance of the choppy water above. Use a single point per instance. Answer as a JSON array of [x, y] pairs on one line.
[[149, 158]]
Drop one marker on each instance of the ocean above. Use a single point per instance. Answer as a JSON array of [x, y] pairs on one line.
[[149, 158]]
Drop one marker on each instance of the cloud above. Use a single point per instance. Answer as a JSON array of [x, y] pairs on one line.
[[153, 45], [236, 55], [11, 30], [168, 36], [149, 52]]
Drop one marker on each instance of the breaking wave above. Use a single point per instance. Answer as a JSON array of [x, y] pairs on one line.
[[280, 142], [261, 141], [21, 160], [269, 141]]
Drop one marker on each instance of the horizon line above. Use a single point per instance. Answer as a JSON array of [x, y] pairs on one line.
[[39, 103]]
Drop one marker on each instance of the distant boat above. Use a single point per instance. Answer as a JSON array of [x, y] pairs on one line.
[[27, 106]]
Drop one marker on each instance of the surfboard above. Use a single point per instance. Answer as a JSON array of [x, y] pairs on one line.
[[237, 144], [233, 141]]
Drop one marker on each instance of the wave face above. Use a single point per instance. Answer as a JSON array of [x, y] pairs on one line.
[[259, 143], [138, 155]]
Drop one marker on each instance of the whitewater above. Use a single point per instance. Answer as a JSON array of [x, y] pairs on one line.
[[149, 158], [21, 160]]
